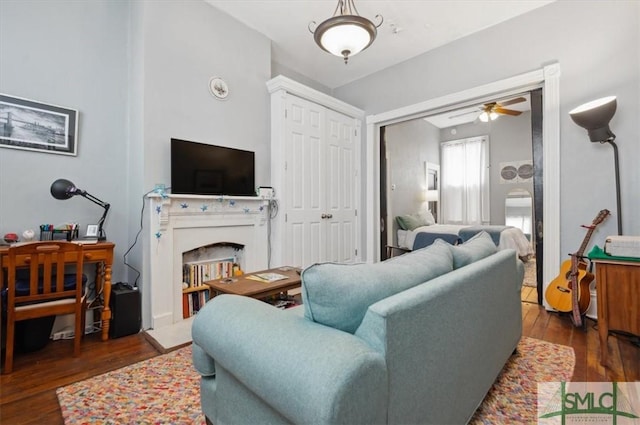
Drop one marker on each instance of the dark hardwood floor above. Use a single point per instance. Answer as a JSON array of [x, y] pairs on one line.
[[28, 395]]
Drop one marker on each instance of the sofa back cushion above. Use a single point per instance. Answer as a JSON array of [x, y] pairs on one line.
[[476, 248], [338, 295]]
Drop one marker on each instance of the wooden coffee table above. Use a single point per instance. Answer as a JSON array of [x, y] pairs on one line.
[[244, 285]]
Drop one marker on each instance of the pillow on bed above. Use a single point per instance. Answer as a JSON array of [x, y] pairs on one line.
[[427, 218], [413, 221], [476, 248]]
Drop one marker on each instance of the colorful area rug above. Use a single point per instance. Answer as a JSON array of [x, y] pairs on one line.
[[514, 395], [161, 390], [165, 389]]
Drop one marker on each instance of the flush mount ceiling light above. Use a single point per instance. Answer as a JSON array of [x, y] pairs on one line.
[[346, 33]]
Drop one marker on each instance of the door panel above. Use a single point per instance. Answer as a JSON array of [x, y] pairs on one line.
[[319, 155], [341, 178], [304, 240]]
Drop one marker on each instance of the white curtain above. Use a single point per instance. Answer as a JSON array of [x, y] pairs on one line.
[[464, 181]]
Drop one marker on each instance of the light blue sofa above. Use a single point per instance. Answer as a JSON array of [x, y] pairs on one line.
[[419, 338]]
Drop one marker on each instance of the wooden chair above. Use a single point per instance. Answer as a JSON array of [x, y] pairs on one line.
[[45, 293]]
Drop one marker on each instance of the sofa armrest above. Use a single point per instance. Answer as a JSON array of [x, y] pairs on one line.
[[307, 372]]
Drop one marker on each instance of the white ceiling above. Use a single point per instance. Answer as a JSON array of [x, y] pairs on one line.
[[471, 113], [410, 28]]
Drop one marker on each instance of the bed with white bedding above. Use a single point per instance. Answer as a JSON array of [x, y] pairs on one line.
[[505, 237]]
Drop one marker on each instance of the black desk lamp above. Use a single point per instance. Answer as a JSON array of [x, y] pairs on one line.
[[64, 189], [594, 116]]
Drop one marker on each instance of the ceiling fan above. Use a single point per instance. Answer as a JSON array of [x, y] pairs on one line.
[[492, 110]]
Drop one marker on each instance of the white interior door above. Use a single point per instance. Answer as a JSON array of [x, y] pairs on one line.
[[340, 182], [319, 173], [304, 161]]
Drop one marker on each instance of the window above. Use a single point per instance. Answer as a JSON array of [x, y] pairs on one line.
[[465, 181]]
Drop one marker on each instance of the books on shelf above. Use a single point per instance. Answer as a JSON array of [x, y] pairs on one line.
[[192, 302], [196, 273], [267, 277]]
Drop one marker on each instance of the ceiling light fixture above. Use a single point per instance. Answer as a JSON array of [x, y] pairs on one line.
[[346, 33], [486, 116]]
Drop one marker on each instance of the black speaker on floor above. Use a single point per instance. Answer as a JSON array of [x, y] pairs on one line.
[[126, 318]]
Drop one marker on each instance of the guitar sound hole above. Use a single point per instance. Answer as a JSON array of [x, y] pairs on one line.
[[569, 282]]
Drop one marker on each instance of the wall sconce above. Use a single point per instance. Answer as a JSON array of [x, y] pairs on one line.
[[594, 116], [63, 189]]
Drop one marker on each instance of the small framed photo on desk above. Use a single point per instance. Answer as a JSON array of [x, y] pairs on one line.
[[92, 231]]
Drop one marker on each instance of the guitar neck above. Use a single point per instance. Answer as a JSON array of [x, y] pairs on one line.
[[599, 218], [583, 246]]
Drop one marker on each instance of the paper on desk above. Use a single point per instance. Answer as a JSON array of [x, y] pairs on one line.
[[267, 277]]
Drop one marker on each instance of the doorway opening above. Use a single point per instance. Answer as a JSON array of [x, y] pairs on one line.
[[546, 187]]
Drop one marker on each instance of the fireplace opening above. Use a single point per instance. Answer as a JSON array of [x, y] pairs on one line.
[[209, 262]]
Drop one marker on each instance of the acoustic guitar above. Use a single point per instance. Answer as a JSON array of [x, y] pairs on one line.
[[574, 279]]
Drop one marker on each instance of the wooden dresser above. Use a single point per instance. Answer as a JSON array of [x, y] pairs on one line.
[[618, 291]]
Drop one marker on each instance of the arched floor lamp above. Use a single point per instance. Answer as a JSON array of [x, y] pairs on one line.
[[594, 116], [64, 189]]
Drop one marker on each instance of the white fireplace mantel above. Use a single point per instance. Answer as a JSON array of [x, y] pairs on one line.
[[181, 223]]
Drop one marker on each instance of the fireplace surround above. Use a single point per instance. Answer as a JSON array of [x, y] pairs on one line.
[[181, 223]]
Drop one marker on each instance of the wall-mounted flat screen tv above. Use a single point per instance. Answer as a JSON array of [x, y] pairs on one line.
[[201, 169]]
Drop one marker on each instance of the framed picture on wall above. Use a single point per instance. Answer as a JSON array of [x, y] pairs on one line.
[[35, 126]]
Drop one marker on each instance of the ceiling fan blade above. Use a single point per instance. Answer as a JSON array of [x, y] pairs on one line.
[[512, 101], [506, 111]]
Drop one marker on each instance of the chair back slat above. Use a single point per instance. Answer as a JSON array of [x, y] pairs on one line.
[[45, 261]]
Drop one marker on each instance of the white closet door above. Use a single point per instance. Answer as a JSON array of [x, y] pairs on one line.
[[305, 163], [340, 180], [319, 174]]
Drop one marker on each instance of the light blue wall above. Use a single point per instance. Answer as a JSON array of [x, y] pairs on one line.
[[409, 146], [138, 73], [73, 54], [184, 45], [596, 43]]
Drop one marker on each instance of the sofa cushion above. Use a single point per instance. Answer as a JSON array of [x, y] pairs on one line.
[[338, 295], [476, 248]]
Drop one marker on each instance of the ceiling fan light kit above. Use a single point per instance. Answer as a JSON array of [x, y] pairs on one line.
[[488, 116], [346, 33]]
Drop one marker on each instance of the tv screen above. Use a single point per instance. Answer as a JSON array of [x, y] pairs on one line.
[[201, 169]]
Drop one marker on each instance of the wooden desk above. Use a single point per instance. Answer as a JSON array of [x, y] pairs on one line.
[[100, 253], [618, 291]]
